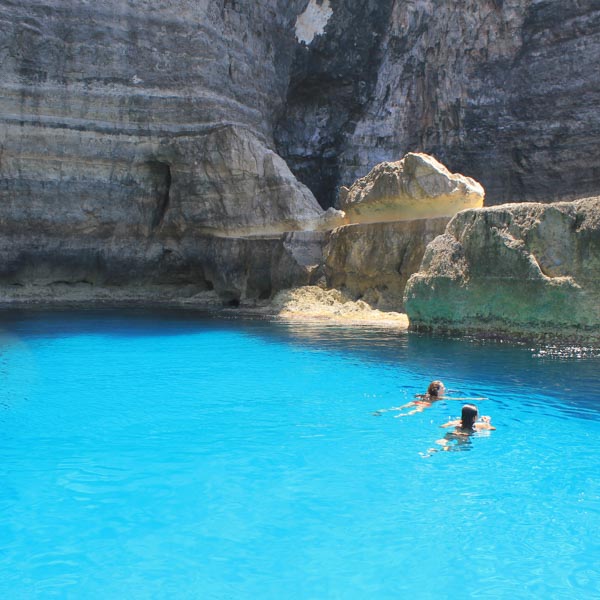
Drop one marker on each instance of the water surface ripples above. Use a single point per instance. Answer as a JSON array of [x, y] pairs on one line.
[[151, 455]]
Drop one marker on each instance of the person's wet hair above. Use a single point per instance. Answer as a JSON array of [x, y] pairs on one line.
[[434, 388], [468, 416]]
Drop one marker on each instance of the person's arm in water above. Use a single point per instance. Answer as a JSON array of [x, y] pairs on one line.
[[420, 405], [407, 405], [454, 423], [485, 423], [482, 425]]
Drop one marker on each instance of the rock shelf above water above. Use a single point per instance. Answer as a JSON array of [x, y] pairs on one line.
[[416, 187], [521, 270]]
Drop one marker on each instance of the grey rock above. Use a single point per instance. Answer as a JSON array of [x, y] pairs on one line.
[[504, 91], [144, 144]]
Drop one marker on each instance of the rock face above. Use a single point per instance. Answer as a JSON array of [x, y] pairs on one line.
[[415, 187], [220, 270], [522, 269], [373, 262], [136, 148], [504, 91], [145, 143], [235, 186], [122, 115]]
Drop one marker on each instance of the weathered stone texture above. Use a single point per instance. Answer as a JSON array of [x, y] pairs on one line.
[[141, 141], [504, 91], [373, 262], [522, 269], [236, 270], [130, 131], [415, 187]]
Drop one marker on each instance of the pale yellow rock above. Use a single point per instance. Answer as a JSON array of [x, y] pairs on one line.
[[374, 261], [416, 187], [315, 303]]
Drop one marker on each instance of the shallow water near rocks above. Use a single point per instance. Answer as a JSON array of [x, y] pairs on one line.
[[155, 455]]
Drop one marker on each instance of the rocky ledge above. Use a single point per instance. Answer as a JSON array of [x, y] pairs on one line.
[[416, 187], [520, 270]]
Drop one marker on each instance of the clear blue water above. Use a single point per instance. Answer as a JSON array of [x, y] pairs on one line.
[[174, 456]]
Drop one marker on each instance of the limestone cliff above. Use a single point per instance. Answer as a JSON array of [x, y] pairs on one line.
[[504, 91], [173, 143], [138, 115], [131, 133], [522, 269]]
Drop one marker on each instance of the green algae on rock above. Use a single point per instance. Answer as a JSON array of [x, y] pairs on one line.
[[523, 270]]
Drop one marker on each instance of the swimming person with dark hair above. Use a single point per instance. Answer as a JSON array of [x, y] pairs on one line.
[[468, 422], [435, 392], [464, 428]]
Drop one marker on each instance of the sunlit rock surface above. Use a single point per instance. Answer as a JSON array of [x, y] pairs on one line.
[[315, 303], [170, 145], [521, 269], [228, 183], [313, 20], [416, 187], [393, 213], [374, 261]]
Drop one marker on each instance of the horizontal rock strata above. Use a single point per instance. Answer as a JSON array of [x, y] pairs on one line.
[[144, 147], [522, 269], [233, 270], [504, 91]]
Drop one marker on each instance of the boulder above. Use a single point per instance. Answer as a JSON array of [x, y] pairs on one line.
[[527, 269], [416, 187]]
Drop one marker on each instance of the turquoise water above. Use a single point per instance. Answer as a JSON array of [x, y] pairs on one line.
[[173, 456]]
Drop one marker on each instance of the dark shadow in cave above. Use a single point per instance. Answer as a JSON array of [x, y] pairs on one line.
[[161, 178]]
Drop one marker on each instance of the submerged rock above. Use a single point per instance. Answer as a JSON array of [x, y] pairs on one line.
[[416, 187], [522, 269]]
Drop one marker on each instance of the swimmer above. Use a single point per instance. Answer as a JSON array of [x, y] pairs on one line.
[[464, 427], [468, 423], [435, 392]]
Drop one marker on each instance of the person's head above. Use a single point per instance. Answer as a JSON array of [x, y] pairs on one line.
[[468, 416], [436, 389]]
